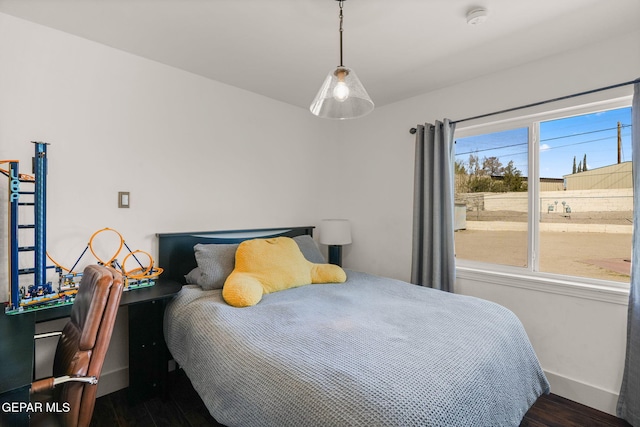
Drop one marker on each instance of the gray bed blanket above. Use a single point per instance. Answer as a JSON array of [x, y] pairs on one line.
[[369, 352]]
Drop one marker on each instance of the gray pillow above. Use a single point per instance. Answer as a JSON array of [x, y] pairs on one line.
[[310, 249], [193, 276], [215, 262]]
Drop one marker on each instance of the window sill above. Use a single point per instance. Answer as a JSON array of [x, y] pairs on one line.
[[610, 292]]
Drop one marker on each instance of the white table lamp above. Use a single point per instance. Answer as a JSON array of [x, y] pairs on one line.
[[335, 233]]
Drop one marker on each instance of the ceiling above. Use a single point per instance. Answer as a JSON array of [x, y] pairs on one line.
[[283, 49]]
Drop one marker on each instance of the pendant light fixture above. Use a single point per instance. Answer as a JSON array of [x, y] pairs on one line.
[[341, 96]]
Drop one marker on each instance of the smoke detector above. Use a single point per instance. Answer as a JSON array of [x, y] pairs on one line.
[[476, 16]]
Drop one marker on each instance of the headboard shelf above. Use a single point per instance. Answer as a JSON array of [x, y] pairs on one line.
[[175, 250]]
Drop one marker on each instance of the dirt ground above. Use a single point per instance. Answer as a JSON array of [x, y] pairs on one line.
[[596, 255]]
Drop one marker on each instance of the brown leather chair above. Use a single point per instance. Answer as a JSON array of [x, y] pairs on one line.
[[82, 346]]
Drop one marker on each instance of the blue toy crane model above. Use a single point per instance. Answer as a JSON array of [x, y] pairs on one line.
[[40, 293]]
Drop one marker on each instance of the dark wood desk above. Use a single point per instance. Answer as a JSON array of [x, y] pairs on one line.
[[148, 354], [16, 366]]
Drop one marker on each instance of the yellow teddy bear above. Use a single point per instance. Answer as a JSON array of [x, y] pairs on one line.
[[269, 265]]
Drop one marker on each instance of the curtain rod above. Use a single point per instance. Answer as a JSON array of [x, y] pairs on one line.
[[535, 104]]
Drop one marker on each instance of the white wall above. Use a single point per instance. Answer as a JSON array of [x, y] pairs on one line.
[[176, 141], [195, 154], [580, 342]]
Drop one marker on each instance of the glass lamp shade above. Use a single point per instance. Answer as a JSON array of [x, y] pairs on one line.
[[341, 96]]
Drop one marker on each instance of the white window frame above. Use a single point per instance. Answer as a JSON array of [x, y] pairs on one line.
[[529, 277]]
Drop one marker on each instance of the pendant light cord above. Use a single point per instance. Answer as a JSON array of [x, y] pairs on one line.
[[341, 19]]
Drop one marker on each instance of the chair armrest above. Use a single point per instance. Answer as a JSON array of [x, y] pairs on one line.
[[42, 385], [47, 335], [49, 383]]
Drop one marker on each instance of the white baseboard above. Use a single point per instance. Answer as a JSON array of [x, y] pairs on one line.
[[113, 381], [586, 394]]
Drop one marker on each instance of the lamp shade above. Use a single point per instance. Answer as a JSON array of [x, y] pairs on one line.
[[335, 232], [341, 96]]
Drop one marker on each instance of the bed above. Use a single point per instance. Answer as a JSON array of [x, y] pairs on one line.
[[371, 351]]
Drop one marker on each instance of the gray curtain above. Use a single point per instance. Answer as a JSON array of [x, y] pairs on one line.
[[433, 262], [629, 401]]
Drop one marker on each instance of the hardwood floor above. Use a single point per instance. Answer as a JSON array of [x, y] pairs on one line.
[[556, 411], [183, 407]]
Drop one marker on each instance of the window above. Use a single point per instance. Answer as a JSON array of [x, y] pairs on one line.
[[491, 193], [560, 203]]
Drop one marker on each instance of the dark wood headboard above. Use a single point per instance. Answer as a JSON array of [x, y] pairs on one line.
[[175, 250]]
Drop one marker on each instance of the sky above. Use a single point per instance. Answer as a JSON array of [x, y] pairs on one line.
[[561, 140]]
